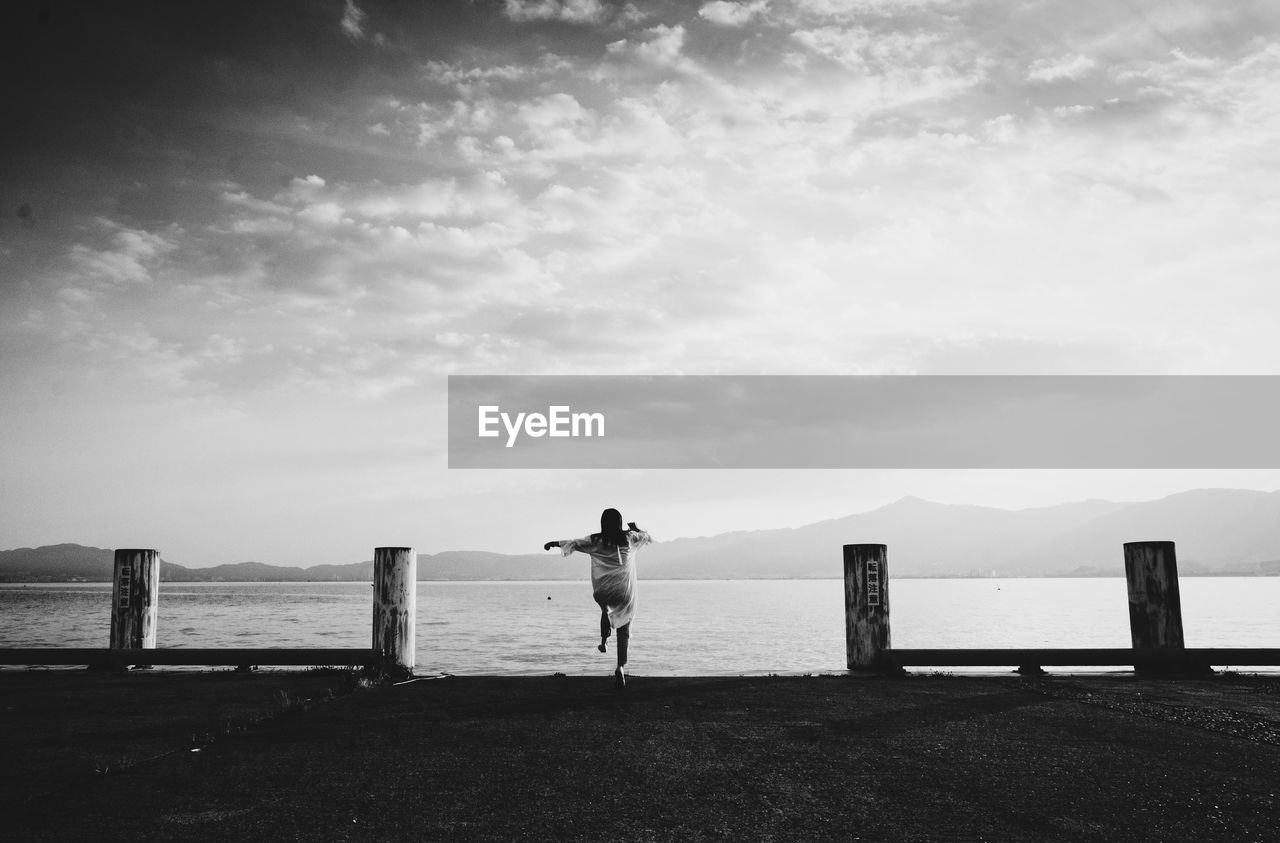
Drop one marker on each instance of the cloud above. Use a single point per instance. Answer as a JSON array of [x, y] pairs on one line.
[[892, 53], [130, 257], [569, 11], [846, 10], [750, 183], [591, 209], [659, 45], [1066, 67], [483, 197], [138, 351], [551, 112], [726, 13], [243, 199], [632, 14], [445, 73], [352, 20]]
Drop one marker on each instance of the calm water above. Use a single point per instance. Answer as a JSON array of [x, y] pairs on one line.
[[682, 627]]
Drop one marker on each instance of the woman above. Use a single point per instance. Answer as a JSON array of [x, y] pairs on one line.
[[613, 578]]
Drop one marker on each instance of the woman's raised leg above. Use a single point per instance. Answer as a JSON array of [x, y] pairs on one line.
[[624, 638], [604, 625]]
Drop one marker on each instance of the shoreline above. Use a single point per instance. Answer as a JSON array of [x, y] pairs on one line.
[[896, 577]]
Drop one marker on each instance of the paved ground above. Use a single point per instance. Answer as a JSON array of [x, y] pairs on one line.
[[311, 756]]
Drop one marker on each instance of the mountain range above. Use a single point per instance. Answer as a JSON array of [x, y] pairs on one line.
[[1217, 531]]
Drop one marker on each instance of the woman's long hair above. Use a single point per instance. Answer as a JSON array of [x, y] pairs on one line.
[[612, 530]]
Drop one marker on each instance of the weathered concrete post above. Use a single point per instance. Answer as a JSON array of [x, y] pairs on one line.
[[866, 604], [134, 598], [395, 607], [1155, 605]]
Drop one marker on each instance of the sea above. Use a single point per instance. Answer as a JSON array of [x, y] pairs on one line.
[[682, 627]]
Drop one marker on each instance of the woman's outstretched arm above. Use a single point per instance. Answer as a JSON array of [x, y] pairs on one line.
[[568, 546], [638, 537]]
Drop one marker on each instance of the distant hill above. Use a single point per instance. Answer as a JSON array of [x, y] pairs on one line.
[[260, 572], [55, 562], [1217, 531], [74, 562], [924, 539], [481, 565]]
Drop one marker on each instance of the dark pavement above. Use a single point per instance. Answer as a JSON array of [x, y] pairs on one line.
[[312, 756]]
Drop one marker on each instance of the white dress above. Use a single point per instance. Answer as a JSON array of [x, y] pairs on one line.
[[613, 573]]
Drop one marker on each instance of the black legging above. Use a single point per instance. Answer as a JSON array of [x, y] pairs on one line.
[[624, 634]]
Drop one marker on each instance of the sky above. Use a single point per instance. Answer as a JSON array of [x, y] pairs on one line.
[[243, 245]]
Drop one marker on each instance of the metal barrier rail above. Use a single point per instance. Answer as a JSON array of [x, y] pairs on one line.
[[119, 658], [1162, 658]]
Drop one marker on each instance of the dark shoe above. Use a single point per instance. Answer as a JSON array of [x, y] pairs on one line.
[[619, 678], [602, 648]]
